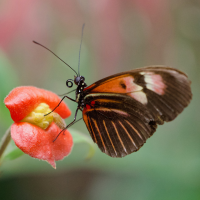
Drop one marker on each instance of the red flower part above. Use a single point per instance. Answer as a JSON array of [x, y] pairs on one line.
[[33, 132], [22, 100], [38, 143]]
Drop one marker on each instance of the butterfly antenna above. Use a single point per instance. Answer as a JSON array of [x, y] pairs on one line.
[[55, 55], [80, 50]]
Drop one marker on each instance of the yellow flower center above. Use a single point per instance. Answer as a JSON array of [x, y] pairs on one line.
[[39, 118]]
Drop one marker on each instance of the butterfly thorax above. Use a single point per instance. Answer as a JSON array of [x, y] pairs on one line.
[[80, 82]]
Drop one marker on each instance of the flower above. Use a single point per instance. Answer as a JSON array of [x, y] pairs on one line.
[[33, 131]]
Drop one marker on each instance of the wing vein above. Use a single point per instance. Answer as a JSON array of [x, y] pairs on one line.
[[128, 134], [95, 123], [92, 130], [109, 138], [134, 129], [119, 137]]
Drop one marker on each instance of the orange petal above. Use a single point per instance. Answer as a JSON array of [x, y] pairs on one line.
[[22, 100], [38, 143]]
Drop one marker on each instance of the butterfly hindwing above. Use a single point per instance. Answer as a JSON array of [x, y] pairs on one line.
[[118, 129]]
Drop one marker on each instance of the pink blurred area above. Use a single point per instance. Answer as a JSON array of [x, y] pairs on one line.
[[111, 32]]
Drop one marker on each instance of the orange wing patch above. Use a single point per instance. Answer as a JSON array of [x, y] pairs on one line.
[[122, 84]]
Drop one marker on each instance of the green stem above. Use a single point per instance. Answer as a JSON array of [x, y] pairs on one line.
[[5, 141]]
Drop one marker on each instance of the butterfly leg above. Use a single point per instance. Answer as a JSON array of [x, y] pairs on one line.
[[74, 121], [60, 103]]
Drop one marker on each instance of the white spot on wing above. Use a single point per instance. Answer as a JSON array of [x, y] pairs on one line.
[[134, 90], [144, 73], [155, 83], [130, 85], [139, 96]]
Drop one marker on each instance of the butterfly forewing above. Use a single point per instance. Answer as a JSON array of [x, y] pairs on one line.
[[121, 111], [164, 91]]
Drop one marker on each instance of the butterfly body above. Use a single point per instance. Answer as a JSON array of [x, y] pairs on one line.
[[80, 82], [122, 111]]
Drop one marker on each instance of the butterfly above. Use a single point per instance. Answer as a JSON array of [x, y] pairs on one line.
[[123, 110]]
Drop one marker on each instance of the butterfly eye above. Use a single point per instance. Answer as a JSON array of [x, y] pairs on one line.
[[69, 83], [82, 78], [77, 80]]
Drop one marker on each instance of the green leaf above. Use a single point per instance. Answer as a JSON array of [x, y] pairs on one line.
[[79, 137], [15, 153], [10, 151], [8, 80]]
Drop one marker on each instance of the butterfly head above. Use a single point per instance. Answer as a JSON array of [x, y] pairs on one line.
[[79, 80]]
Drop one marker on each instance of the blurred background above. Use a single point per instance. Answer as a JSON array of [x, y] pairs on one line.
[[118, 36]]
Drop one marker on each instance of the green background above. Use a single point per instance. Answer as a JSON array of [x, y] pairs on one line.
[[118, 36]]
